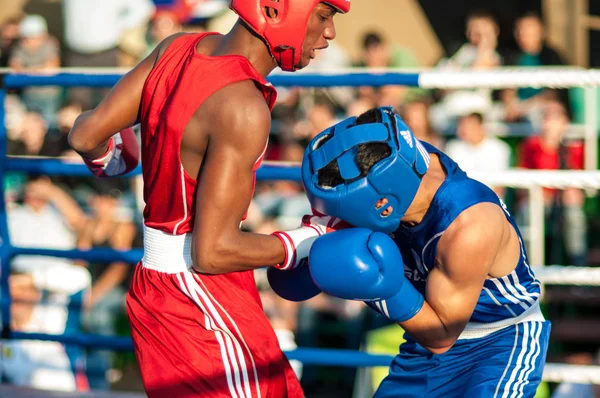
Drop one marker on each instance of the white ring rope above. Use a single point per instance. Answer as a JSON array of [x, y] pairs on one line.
[[441, 77], [509, 78], [568, 275], [584, 374], [541, 178]]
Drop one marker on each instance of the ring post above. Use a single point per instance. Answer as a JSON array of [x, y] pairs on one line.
[[5, 248]]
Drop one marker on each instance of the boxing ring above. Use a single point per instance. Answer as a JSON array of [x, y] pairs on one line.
[[533, 181]]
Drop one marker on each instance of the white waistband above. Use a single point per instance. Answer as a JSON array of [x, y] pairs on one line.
[[475, 330], [166, 252]]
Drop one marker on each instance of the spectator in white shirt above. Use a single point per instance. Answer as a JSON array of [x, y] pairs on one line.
[[474, 150], [93, 31], [41, 287], [93, 28]]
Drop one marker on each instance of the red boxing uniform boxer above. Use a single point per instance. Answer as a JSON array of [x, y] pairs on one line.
[[204, 107]]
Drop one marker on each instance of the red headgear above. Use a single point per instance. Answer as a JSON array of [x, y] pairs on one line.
[[285, 32]]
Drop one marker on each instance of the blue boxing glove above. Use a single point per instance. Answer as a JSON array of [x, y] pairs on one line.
[[359, 264], [295, 284]]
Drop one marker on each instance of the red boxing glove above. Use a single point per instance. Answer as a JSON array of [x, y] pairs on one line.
[[121, 157], [297, 242]]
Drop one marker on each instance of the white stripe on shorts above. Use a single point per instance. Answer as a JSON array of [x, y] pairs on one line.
[[239, 334], [509, 360], [531, 349], [536, 353], [209, 324], [239, 371], [508, 387]]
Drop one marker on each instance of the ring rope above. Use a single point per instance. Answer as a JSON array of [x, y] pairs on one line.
[[549, 275], [553, 372], [568, 275], [291, 171], [506, 77]]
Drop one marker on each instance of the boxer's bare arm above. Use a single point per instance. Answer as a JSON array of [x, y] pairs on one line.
[[465, 255], [240, 121], [118, 110]]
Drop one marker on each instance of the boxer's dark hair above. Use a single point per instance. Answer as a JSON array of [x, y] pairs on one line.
[[367, 155]]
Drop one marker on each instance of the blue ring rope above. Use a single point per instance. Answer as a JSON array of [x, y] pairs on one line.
[[308, 356], [57, 167], [5, 247], [98, 255], [280, 80]]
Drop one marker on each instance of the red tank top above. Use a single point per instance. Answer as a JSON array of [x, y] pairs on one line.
[[179, 83]]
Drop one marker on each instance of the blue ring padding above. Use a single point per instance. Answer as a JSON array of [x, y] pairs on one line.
[[345, 79], [308, 356], [338, 357], [56, 167], [61, 79], [98, 255], [4, 236], [270, 172], [279, 80]]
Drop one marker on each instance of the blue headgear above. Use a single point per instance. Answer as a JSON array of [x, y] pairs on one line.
[[396, 177]]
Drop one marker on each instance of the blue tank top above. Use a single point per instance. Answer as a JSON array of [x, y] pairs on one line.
[[500, 298]]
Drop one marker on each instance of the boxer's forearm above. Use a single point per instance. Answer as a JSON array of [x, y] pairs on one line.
[[242, 252], [83, 140], [428, 329]]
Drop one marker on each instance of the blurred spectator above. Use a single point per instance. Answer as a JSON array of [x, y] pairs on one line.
[[283, 202], [37, 52], [416, 115], [36, 49], [34, 138], [162, 25], [281, 313], [9, 35], [29, 136], [564, 208], [378, 53], [479, 52], [475, 151], [579, 390], [107, 227], [341, 323], [320, 116], [56, 142], [359, 106], [93, 28], [336, 57], [42, 287], [185, 10], [93, 32], [48, 218], [533, 52]]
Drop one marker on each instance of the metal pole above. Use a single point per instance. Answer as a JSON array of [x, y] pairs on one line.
[[591, 128], [536, 229]]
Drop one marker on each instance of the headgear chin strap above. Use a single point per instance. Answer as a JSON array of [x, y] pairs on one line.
[[395, 178]]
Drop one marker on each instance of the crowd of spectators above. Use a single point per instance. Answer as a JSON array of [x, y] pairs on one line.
[[53, 295]]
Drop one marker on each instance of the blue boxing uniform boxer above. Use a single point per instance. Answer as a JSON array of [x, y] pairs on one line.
[[433, 250]]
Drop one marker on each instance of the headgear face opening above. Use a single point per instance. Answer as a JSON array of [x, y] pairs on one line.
[[395, 178], [284, 31]]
